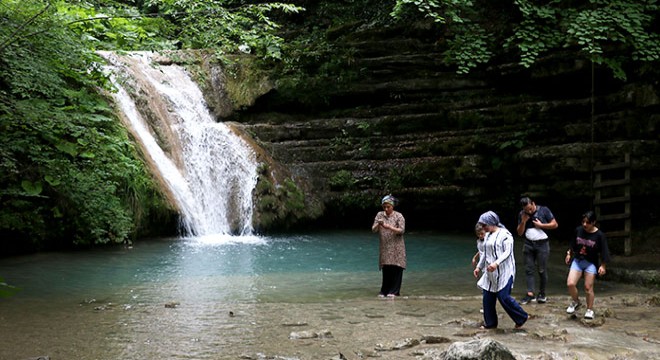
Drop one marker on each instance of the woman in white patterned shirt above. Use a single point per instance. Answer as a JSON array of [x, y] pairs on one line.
[[500, 272]]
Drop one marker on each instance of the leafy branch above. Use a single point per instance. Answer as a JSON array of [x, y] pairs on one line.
[[608, 32], [12, 37]]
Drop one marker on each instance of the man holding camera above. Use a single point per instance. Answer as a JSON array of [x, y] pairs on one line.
[[533, 220]]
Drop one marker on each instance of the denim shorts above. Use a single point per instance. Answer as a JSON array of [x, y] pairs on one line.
[[582, 265]]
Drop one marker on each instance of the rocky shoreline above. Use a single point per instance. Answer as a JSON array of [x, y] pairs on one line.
[[420, 327], [415, 327], [435, 328]]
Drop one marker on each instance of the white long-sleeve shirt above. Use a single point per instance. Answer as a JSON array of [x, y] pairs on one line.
[[498, 247]]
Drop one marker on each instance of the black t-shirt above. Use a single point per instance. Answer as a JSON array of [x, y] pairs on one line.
[[590, 246]]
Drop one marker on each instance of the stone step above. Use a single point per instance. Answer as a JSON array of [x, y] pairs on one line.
[[378, 48], [387, 125]]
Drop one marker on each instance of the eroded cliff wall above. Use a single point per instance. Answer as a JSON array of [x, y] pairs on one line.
[[451, 146]]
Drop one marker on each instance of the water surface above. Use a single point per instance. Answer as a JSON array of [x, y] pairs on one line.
[[222, 297], [298, 268]]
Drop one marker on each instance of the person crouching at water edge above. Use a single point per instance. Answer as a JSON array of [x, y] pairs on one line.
[[500, 271], [390, 226]]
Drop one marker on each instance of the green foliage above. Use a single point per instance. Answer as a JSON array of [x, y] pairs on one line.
[[470, 43], [245, 81], [536, 34], [224, 25], [342, 180], [440, 11], [506, 150], [613, 33], [228, 26], [295, 198], [606, 32], [344, 140], [313, 59], [68, 173], [279, 205], [469, 48], [615, 27], [353, 200], [111, 25], [393, 181], [315, 62]]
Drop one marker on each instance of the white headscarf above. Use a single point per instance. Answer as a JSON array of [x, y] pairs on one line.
[[389, 199]]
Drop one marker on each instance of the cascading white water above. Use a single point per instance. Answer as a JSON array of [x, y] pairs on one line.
[[210, 171]]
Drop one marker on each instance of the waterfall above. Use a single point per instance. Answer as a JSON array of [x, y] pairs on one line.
[[208, 169]]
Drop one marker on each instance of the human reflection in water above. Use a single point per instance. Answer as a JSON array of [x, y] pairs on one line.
[[390, 225]]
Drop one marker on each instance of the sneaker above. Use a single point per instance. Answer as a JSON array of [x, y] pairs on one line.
[[541, 299], [589, 314], [481, 311], [571, 308], [527, 299]]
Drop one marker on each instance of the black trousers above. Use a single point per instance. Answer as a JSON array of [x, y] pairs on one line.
[[392, 277]]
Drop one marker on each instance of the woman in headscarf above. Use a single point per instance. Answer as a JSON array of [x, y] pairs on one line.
[[390, 225], [500, 271]]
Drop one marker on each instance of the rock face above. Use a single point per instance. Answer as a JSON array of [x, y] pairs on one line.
[[451, 146]]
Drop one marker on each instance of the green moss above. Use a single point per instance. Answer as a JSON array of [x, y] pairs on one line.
[[243, 78], [342, 180], [294, 197], [350, 201], [281, 205], [264, 186], [245, 81]]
